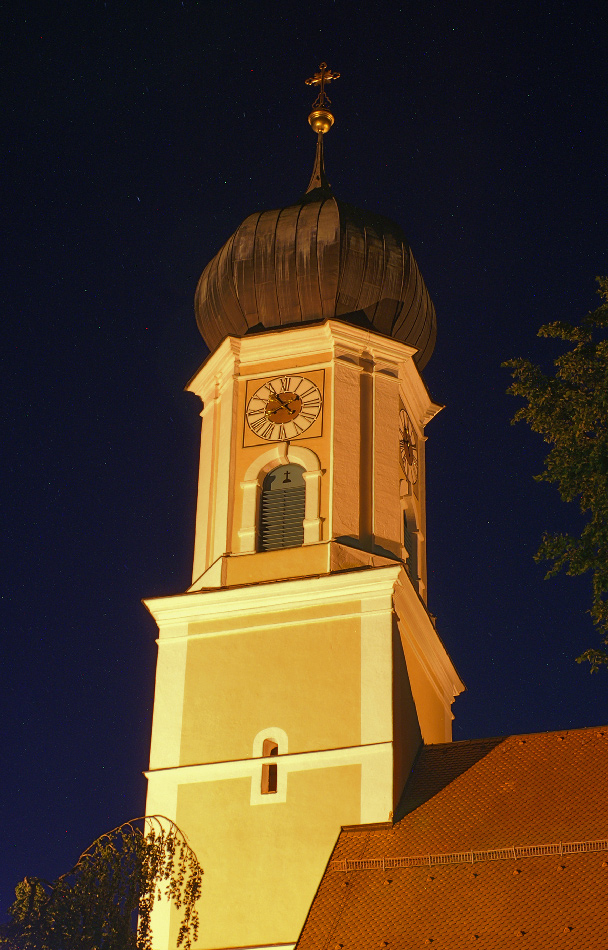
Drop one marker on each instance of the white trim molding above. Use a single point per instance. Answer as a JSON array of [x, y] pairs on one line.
[[273, 732], [258, 797], [374, 587], [430, 652]]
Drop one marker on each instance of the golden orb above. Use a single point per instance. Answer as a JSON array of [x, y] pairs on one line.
[[321, 120]]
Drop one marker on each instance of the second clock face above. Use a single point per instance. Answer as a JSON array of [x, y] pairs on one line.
[[283, 408], [408, 448]]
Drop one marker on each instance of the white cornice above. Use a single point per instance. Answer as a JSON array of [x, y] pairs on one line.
[[416, 395], [315, 345], [311, 341], [221, 365], [432, 410], [425, 641], [307, 341], [380, 347], [275, 595]]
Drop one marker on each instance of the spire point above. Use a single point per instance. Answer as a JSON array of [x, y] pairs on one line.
[[321, 121], [318, 178]]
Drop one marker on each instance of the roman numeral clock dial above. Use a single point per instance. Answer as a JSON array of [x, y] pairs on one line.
[[283, 408]]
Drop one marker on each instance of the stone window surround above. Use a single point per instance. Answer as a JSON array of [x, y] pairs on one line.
[[259, 795], [283, 453]]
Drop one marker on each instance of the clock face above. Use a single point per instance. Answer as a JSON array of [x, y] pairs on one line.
[[283, 408], [408, 449]]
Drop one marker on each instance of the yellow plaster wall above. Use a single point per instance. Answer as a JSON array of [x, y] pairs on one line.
[[270, 565], [206, 475], [387, 511], [263, 863], [289, 363], [304, 678], [346, 451]]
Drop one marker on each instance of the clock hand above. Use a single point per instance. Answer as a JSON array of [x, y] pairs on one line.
[[284, 405], [294, 398]]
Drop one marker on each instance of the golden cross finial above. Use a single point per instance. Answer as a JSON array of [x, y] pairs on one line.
[[319, 79]]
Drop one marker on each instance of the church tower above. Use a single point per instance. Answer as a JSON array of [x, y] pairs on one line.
[[299, 674]]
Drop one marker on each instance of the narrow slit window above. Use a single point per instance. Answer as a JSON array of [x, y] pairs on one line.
[[269, 770], [282, 508]]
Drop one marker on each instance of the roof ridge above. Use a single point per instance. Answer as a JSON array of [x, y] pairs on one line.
[[471, 857], [482, 740]]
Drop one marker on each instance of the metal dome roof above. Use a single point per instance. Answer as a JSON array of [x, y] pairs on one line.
[[317, 259]]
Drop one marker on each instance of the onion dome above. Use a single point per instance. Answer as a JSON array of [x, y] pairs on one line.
[[314, 260]]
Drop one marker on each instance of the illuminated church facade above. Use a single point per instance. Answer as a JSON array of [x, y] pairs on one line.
[[301, 673]]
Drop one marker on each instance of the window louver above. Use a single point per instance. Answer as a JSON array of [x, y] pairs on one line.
[[282, 513], [410, 543]]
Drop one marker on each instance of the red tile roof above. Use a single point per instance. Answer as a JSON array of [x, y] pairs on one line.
[[472, 796]]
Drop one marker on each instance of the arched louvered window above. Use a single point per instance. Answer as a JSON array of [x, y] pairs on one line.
[[282, 508], [410, 543]]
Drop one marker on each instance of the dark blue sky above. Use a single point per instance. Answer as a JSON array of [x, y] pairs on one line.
[[137, 137]]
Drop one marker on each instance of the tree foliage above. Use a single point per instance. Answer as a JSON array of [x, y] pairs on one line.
[[105, 902], [569, 408]]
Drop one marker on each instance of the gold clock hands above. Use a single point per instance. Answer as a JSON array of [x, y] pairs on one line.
[[291, 412], [294, 398], [285, 405], [272, 409]]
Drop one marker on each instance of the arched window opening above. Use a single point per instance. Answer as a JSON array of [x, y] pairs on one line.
[[282, 508], [269, 771], [410, 543]]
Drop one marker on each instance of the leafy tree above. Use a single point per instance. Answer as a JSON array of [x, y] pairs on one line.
[[570, 410], [105, 902]]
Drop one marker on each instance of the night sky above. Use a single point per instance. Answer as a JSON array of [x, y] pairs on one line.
[[137, 137]]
